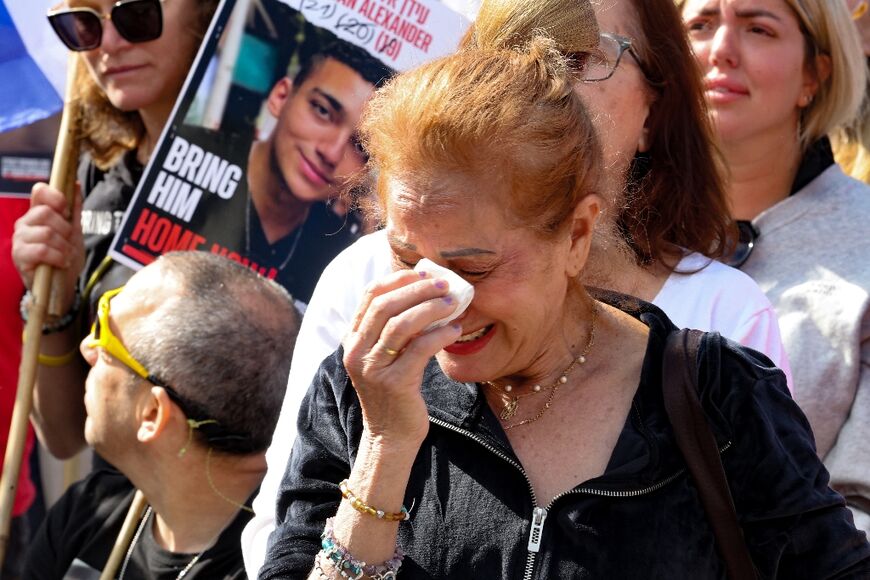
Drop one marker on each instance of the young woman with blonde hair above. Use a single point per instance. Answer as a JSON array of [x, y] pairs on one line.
[[780, 76]]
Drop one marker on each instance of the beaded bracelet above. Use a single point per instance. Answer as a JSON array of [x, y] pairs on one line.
[[61, 323], [349, 567], [364, 508]]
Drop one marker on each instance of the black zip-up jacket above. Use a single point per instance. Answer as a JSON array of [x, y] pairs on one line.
[[475, 512]]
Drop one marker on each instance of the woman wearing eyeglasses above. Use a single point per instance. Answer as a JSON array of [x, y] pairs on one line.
[[137, 54], [665, 214], [780, 75]]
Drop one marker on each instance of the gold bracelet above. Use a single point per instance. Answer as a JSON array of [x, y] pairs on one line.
[[364, 508], [48, 360]]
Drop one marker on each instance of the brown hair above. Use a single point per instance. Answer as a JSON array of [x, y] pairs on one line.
[[108, 132], [676, 192], [506, 116], [675, 196]]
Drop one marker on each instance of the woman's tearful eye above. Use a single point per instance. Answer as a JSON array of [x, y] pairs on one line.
[[472, 273]]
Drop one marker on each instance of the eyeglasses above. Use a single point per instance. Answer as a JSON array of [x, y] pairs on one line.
[[599, 66], [748, 233], [82, 28], [101, 336]]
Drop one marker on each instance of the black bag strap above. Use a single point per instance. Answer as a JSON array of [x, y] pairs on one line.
[[698, 445]]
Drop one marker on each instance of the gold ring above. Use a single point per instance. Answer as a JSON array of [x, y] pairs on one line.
[[388, 350]]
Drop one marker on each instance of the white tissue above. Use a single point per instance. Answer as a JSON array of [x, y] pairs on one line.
[[460, 291]]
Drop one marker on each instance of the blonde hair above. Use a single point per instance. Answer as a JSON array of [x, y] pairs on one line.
[[852, 144], [508, 119], [506, 23], [665, 207], [829, 30]]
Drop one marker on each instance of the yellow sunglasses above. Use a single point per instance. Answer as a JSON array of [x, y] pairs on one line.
[[101, 336]]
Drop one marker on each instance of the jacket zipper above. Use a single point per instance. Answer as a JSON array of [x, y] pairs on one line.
[[530, 561], [539, 514]]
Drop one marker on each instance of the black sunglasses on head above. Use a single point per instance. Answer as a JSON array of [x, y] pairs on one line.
[[82, 28], [748, 233]]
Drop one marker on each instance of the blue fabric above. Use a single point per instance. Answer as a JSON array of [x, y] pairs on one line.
[[26, 95]]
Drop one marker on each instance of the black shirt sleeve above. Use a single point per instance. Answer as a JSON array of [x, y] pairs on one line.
[[82, 524], [795, 525], [328, 427]]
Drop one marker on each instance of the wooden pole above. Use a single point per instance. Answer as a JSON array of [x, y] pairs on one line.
[[65, 161], [125, 536], [71, 468]]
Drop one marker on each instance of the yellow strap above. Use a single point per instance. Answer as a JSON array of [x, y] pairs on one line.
[[216, 490], [95, 277], [191, 425]]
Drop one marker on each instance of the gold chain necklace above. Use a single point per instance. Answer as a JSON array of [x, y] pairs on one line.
[[510, 402]]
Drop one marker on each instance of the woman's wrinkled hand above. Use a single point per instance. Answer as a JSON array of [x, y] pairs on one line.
[[44, 235], [385, 353]]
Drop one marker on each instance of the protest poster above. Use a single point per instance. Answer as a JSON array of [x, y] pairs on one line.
[[26, 157], [20, 171], [263, 135]]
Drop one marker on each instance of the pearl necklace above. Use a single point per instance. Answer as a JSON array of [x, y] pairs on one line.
[[511, 402]]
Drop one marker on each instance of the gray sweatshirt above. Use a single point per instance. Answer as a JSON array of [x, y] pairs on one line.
[[812, 259]]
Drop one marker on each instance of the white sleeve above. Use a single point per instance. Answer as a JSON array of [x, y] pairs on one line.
[[760, 332], [710, 296], [326, 319]]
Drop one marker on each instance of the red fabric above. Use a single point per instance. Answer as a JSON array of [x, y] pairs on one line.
[[11, 327]]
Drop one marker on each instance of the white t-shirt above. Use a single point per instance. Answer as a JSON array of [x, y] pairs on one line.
[[726, 300], [715, 298]]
